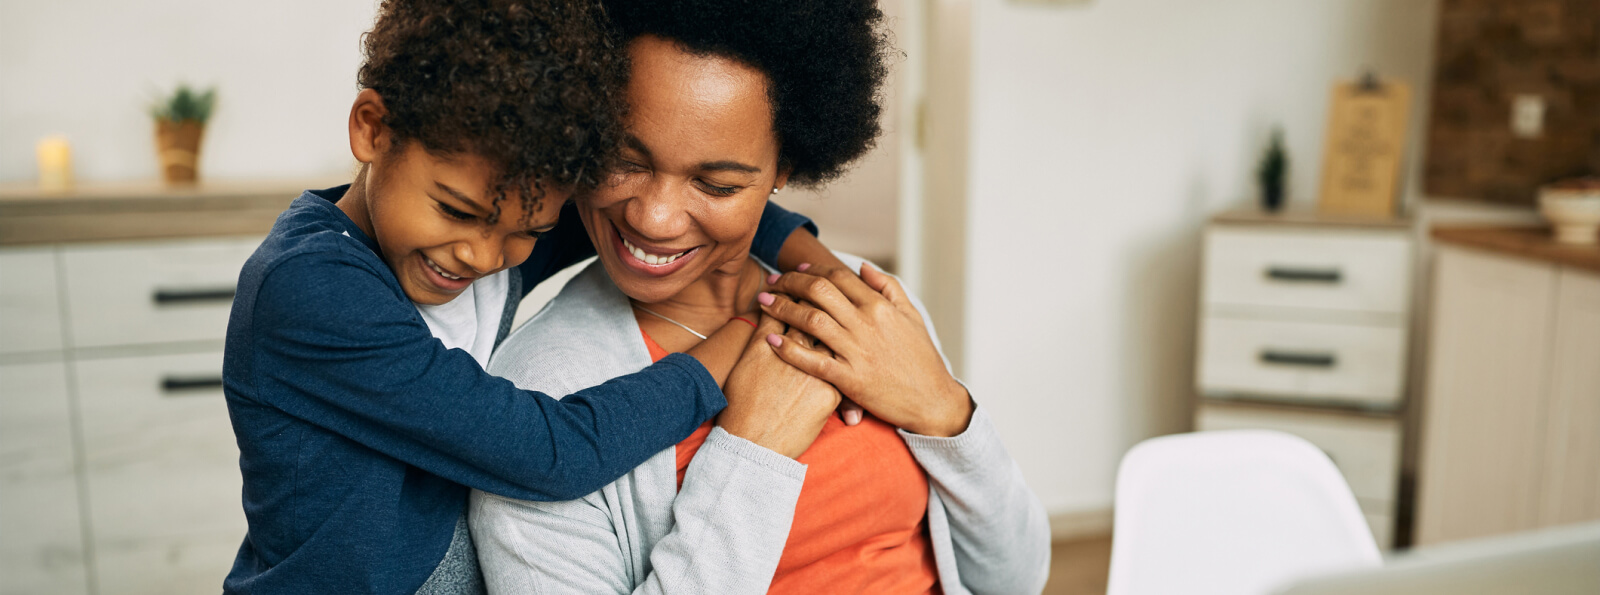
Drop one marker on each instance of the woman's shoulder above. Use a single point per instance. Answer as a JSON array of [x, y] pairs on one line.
[[584, 336]]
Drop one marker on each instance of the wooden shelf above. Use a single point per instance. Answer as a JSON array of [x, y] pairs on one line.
[[146, 210]]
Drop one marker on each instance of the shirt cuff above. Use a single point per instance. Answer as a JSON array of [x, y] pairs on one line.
[[961, 452], [707, 394]]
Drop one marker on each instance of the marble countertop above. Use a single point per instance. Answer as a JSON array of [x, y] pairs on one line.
[[145, 210]]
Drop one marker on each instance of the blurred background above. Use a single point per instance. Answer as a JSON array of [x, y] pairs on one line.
[[1074, 188]]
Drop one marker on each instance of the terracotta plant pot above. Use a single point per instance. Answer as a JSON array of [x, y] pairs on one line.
[[178, 148]]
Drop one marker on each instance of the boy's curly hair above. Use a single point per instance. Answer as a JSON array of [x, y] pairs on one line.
[[825, 61], [531, 86]]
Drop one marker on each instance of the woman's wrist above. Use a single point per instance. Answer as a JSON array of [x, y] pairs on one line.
[[949, 414]]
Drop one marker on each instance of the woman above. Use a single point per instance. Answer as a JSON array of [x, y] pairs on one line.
[[729, 103]]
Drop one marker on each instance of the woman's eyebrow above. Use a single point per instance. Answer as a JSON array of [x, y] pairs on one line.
[[729, 166], [459, 195]]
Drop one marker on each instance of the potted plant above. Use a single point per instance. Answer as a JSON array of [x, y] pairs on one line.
[[1272, 171], [180, 123]]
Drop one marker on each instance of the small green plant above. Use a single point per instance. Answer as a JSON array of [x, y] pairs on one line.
[[1272, 171], [185, 104]]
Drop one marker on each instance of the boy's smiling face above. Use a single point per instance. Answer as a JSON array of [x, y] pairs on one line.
[[429, 214]]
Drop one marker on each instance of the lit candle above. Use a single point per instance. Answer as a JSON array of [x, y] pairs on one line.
[[55, 163]]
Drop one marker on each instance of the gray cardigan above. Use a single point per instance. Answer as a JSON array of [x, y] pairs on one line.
[[725, 530]]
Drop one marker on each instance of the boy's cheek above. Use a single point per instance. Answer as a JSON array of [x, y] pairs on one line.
[[519, 252]]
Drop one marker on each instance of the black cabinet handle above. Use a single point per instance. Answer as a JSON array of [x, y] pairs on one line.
[[1299, 358], [1304, 274], [173, 297], [185, 384]]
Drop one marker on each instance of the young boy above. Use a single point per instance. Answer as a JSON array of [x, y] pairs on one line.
[[353, 368]]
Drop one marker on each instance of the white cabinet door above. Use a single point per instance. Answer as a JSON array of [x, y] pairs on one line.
[[163, 472], [1483, 425], [30, 307], [152, 292], [41, 540], [1572, 466]]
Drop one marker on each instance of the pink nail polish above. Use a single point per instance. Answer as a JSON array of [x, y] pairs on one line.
[[852, 418], [773, 278], [765, 298], [803, 266], [774, 340]]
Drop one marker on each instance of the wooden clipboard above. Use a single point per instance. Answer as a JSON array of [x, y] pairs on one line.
[[1366, 143]]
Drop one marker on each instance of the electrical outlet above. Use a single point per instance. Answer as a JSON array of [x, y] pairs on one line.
[[1527, 116]]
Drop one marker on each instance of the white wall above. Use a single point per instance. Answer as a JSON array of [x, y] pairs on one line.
[[1103, 137], [285, 73]]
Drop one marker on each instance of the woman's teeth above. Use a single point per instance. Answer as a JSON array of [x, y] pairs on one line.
[[441, 272], [648, 258]]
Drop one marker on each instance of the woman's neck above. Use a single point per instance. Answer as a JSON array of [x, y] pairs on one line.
[[710, 301]]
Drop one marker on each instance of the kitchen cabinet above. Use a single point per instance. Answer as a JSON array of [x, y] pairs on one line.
[[1511, 418], [119, 471], [1303, 329]]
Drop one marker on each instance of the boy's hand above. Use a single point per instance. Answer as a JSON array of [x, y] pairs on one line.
[[772, 403], [882, 356]]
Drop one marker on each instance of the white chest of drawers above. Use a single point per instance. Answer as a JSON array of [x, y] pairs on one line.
[[1303, 329], [118, 467]]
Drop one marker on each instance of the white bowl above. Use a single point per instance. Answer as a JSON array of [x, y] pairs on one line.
[[1574, 212]]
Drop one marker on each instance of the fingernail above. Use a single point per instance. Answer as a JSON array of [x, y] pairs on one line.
[[803, 266], [773, 278], [765, 298], [774, 340], [852, 417]]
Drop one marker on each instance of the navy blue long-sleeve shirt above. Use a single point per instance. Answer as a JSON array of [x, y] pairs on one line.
[[359, 432]]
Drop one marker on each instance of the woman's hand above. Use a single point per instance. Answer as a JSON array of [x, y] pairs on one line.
[[882, 356], [772, 403]]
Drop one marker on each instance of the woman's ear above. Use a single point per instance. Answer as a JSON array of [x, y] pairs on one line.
[[783, 178], [368, 135]]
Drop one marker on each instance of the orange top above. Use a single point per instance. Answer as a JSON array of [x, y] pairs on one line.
[[861, 523]]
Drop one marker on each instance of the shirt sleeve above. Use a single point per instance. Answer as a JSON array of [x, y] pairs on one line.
[[730, 523], [334, 347], [777, 223], [569, 243]]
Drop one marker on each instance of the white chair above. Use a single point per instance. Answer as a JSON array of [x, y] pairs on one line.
[[1232, 513]]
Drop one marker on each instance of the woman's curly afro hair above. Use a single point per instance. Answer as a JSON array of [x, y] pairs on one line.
[[824, 59], [531, 86]]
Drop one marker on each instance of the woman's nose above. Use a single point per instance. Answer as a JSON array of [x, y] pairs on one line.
[[659, 210], [484, 253]]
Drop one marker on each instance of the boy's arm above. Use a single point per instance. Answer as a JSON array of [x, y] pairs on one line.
[[331, 345]]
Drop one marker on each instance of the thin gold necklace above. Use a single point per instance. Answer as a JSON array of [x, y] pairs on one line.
[[680, 325]]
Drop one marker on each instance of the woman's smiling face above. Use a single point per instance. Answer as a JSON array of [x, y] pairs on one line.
[[698, 162]]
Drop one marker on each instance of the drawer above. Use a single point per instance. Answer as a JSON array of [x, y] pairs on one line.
[[30, 308], [162, 472], [152, 292], [41, 540], [1366, 449], [1301, 361], [1351, 271]]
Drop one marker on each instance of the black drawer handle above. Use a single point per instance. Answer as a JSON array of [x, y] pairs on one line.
[[185, 384], [173, 297], [1303, 274], [1299, 358]]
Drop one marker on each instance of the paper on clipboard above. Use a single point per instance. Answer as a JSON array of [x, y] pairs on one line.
[[1366, 141]]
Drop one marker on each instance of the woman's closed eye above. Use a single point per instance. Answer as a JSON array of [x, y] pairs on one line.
[[717, 190]]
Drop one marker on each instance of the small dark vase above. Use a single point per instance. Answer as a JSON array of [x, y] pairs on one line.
[[1271, 197]]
